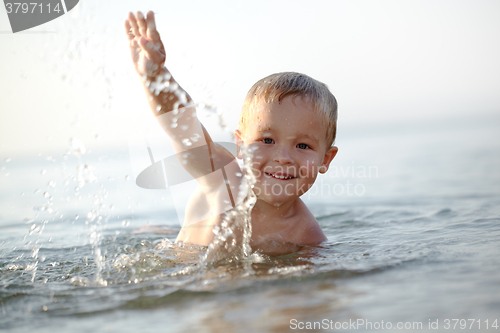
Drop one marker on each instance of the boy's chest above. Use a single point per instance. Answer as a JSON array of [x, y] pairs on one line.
[[264, 230], [302, 228]]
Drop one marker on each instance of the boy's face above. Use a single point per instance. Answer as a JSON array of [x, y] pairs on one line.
[[288, 141]]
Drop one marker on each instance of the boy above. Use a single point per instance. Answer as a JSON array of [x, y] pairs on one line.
[[288, 122]]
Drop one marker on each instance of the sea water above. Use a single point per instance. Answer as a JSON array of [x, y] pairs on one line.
[[411, 216]]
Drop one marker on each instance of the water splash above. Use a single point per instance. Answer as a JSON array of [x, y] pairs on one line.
[[95, 219], [36, 229], [44, 213], [232, 238]]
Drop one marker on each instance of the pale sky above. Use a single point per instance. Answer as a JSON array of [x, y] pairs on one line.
[[385, 61]]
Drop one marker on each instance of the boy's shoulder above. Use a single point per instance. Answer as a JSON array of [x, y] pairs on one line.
[[306, 229], [301, 229]]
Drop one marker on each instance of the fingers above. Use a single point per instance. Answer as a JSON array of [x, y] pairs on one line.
[[144, 37], [141, 23], [151, 27], [138, 25], [128, 30], [133, 24]]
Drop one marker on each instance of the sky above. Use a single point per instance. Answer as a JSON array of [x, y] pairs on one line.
[[387, 62]]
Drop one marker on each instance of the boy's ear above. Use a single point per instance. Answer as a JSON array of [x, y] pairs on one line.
[[239, 142], [330, 154]]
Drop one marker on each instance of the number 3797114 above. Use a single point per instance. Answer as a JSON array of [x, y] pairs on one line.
[[32, 7], [470, 324]]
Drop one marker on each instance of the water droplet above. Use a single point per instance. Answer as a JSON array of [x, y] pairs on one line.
[[186, 142], [52, 183], [127, 177], [46, 195], [195, 137], [125, 223], [43, 172], [184, 127], [7, 160], [76, 147], [77, 217], [173, 125]]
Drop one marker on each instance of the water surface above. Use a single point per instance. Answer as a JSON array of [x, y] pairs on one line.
[[420, 244]]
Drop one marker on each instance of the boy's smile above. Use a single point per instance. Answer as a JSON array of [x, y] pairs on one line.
[[288, 140]]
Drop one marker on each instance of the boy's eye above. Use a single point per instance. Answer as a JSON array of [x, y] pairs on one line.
[[267, 140], [302, 146]]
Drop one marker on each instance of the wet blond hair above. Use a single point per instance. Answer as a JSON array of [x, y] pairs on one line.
[[275, 87]]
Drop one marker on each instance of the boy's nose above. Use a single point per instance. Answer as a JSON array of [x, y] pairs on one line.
[[282, 156]]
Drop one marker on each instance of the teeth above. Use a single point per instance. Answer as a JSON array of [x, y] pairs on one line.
[[280, 177]]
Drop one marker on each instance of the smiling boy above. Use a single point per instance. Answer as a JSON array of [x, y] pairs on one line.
[[288, 122]]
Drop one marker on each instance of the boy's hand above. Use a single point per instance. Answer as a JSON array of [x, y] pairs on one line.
[[146, 48]]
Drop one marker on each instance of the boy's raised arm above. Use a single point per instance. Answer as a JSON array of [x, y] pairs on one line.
[[163, 93], [172, 106]]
